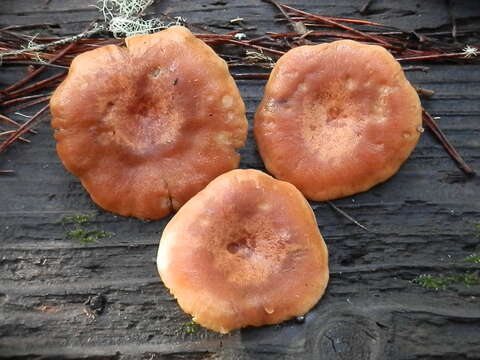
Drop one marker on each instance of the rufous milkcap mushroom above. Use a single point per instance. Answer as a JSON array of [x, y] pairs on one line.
[[147, 126], [337, 118], [245, 251]]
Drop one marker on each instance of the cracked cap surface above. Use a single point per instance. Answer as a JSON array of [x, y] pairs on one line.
[[147, 126], [245, 251], [337, 118]]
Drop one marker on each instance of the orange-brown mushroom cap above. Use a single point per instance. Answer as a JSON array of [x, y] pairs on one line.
[[147, 126], [245, 251], [337, 118]]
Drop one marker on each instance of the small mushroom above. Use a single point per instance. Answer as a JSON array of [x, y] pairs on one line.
[[147, 126], [337, 119], [245, 251]]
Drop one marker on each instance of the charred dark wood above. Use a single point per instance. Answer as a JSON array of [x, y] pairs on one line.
[[422, 221]]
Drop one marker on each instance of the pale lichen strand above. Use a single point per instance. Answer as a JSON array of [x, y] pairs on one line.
[[124, 17]]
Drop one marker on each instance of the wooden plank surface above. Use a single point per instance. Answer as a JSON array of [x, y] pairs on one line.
[[422, 221]]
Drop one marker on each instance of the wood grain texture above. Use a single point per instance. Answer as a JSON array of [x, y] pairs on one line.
[[422, 221]]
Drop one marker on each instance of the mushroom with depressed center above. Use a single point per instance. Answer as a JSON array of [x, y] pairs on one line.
[[245, 251], [337, 118], [146, 126]]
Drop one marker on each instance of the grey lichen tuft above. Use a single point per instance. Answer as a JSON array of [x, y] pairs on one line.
[[125, 17]]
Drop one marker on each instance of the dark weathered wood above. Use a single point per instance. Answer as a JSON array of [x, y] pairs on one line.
[[420, 221]]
